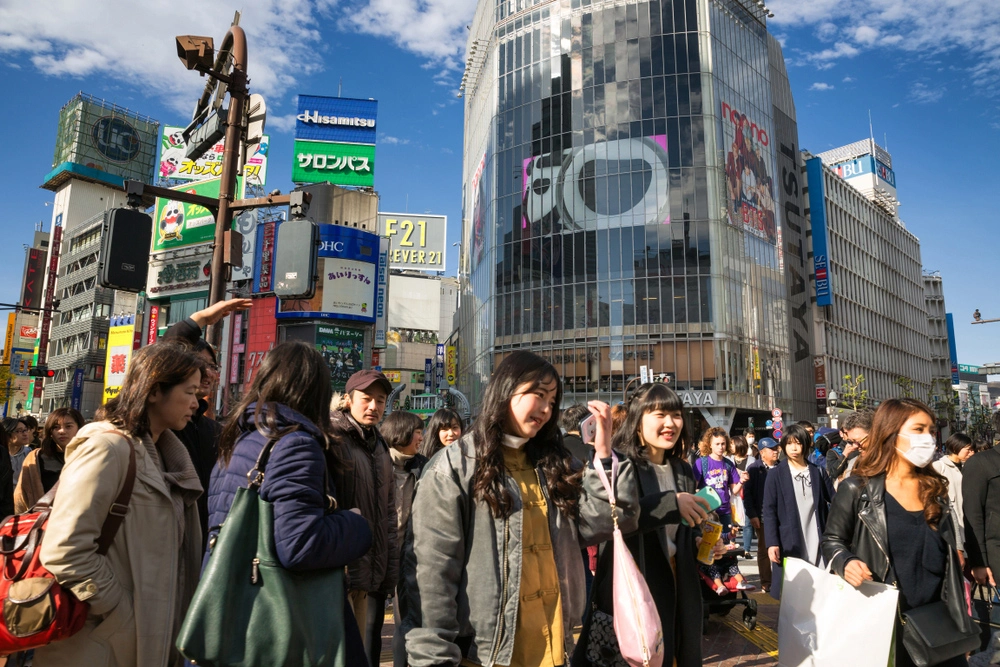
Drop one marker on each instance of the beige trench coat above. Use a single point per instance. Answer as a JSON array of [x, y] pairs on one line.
[[140, 590]]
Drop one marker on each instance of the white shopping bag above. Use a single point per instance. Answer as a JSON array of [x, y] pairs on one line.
[[825, 622]]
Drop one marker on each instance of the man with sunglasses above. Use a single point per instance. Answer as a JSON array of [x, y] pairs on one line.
[[841, 458]]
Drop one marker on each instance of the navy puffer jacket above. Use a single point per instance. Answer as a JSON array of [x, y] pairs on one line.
[[306, 535]]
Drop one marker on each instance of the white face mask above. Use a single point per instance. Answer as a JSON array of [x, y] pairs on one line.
[[750, 441], [922, 447]]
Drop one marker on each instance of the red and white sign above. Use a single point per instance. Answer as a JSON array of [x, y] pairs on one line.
[[154, 324], [29, 332], [776, 413], [820, 393]]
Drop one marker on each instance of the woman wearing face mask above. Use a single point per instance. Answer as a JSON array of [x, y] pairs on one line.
[[891, 521], [42, 467], [797, 497]]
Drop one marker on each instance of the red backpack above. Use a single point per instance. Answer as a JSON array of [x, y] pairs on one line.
[[36, 609]]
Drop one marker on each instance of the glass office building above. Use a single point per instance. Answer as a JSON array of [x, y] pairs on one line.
[[621, 206]]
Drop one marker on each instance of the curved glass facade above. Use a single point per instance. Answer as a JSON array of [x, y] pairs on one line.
[[620, 199]]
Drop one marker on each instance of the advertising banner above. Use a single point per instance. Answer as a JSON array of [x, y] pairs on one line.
[[341, 119], [154, 324], [76, 398], [415, 241], [179, 224], [8, 345], [820, 235], [50, 288], [27, 336], [382, 295], [31, 297], [111, 142], [451, 364], [439, 366], [749, 175], [179, 272], [395, 377], [174, 165], [340, 164], [119, 355], [263, 264], [347, 268], [428, 370], [343, 349]]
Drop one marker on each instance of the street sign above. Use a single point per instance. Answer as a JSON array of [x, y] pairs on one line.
[[820, 392], [778, 425], [778, 434], [776, 413]]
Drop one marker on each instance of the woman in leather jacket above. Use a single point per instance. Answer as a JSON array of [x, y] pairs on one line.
[[890, 521]]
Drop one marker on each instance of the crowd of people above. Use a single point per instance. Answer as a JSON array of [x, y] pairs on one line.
[[488, 540]]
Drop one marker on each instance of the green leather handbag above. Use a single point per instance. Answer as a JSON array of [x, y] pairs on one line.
[[251, 612]]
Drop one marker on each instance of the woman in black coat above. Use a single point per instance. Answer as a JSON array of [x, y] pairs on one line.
[[797, 497], [655, 437]]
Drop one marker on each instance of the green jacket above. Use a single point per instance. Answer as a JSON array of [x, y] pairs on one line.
[[461, 573]]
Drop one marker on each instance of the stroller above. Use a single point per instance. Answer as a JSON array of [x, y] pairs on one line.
[[713, 603]]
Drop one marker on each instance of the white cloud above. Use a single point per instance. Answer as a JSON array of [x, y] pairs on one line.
[[865, 34], [921, 28], [923, 94], [839, 50], [136, 46], [848, 79], [284, 123], [820, 86], [432, 29], [392, 141]]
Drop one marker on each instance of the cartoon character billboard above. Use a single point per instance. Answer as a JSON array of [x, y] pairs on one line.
[[178, 225], [173, 163], [749, 175]]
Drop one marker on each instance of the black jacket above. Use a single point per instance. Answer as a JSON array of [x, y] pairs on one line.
[[856, 528], [753, 490], [836, 462], [782, 527], [578, 448], [201, 439], [981, 500], [681, 628]]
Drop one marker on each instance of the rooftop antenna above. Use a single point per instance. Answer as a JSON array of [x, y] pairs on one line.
[[871, 131], [885, 141], [340, 88]]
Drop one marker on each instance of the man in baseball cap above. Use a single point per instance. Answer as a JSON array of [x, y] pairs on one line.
[[363, 480], [753, 501]]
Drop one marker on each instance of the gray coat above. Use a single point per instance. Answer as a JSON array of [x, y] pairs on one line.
[[462, 567]]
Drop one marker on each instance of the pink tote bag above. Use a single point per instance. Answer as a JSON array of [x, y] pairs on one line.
[[637, 623]]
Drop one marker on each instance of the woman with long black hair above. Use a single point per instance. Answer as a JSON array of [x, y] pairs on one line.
[[891, 522], [655, 438], [492, 569], [443, 429]]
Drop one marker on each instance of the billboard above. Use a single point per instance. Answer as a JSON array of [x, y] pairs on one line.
[[343, 350], [592, 186], [340, 119], [179, 224], [31, 296], [820, 235], [866, 165], [263, 264], [119, 354], [347, 266], [415, 241], [173, 164], [8, 345], [112, 142], [180, 272], [749, 175], [451, 365], [340, 164], [382, 295]]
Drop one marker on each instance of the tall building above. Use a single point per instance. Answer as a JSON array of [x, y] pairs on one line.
[[623, 207], [937, 330], [870, 315]]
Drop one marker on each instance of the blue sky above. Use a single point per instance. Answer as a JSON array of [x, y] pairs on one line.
[[930, 76]]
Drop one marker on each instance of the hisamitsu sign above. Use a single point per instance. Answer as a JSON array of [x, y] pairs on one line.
[[415, 241]]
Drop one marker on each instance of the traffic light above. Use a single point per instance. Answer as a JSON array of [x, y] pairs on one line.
[[41, 372], [295, 261]]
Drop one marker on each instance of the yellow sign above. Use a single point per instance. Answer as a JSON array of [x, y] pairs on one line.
[[393, 376], [9, 343], [451, 364], [119, 355]]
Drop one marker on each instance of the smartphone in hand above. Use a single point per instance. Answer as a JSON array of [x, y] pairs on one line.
[[588, 430]]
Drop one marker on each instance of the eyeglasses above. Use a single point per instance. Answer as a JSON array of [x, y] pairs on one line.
[[19, 431], [212, 367], [855, 442]]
